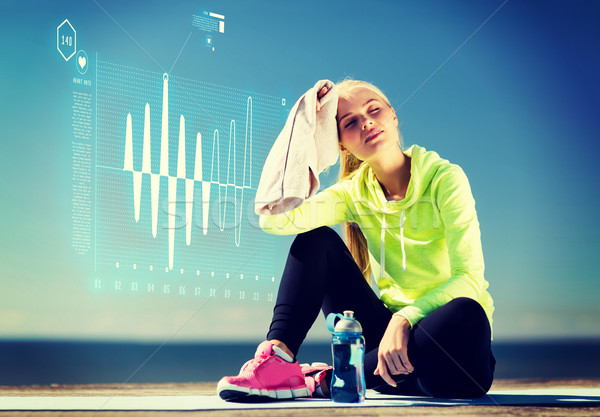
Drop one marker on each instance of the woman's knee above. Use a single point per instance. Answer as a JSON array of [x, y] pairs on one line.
[[465, 303], [465, 312], [317, 240]]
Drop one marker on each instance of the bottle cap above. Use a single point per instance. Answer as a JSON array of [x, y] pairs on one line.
[[348, 323]]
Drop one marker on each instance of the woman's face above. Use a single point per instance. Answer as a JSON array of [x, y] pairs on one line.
[[366, 124]]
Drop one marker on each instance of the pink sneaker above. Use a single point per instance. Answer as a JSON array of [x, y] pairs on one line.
[[265, 377]]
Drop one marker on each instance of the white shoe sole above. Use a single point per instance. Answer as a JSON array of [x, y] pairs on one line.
[[230, 392]]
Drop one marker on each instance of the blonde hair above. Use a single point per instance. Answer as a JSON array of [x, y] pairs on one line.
[[349, 165]]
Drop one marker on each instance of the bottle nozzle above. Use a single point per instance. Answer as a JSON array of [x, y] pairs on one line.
[[348, 313]]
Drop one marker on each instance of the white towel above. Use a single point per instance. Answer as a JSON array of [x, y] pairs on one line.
[[306, 146]]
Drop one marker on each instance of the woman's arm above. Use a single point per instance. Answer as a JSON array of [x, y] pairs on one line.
[[463, 239], [326, 208]]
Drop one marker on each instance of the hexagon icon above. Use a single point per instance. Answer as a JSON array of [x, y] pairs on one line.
[[66, 40]]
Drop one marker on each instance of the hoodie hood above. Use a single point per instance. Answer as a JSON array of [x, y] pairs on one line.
[[424, 166]]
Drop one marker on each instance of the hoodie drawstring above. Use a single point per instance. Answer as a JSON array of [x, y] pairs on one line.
[[382, 245], [382, 249], [402, 218]]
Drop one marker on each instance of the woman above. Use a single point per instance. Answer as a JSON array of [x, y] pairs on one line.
[[410, 221]]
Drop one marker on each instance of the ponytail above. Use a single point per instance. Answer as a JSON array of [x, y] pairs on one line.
[[354, 237]]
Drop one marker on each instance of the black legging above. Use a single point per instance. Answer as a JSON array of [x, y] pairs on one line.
[[449, 349]]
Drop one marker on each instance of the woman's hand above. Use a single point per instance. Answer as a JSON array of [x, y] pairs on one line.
[[320, 95], [393, 351]]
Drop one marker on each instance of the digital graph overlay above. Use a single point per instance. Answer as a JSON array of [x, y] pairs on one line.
[[223, 188], [175, 186]]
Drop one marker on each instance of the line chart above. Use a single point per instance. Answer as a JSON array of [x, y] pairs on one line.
[[174, 177], [223, 188]]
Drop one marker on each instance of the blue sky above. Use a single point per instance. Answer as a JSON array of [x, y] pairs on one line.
[[508, 90]]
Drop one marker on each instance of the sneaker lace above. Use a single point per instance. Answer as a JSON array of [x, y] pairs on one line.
[[253, 363]]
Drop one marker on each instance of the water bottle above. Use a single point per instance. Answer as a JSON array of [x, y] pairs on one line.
[[348, 351]]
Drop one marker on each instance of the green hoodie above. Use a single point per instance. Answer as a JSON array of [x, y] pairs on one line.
[[425, 250]]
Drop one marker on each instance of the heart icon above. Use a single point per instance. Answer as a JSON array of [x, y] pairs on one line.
[[82, 61]]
